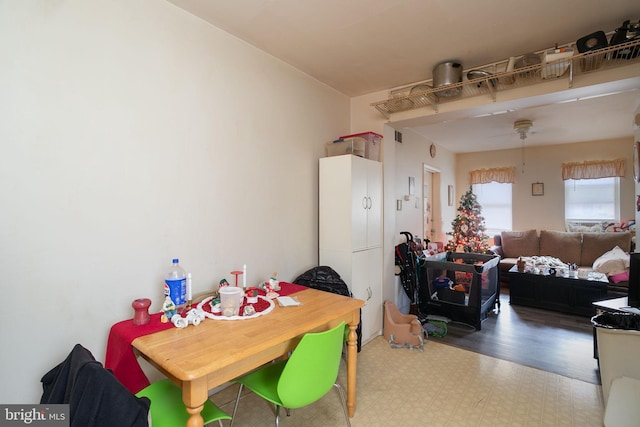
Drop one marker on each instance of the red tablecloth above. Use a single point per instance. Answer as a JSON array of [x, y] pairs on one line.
[[120, 357]]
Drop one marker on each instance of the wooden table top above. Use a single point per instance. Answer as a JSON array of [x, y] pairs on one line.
[[225, 349]]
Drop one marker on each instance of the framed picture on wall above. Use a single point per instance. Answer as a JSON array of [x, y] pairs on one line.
[[537, 189], [636, 161]]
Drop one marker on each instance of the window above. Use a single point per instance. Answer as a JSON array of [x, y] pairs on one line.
[[495, 200], [592, 200]]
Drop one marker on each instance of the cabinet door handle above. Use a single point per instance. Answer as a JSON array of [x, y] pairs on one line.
[[364, 202], [369, 293], [369, 204]]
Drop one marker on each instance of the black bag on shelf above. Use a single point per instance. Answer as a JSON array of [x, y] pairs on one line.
[[626, 33]]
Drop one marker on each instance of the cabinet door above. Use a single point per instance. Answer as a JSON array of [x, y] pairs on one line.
[[374, 204], [336, 203], [359, 203], [366, 277]]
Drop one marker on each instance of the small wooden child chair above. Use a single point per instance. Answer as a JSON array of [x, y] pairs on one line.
[[402, 330]]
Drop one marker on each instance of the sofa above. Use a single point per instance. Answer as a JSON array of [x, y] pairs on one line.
[[582, 249]]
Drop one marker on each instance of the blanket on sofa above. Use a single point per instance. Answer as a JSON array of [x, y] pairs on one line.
[[612, 263]]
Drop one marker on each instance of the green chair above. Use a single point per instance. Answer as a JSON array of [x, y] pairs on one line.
[[167, 409], [302, 379]]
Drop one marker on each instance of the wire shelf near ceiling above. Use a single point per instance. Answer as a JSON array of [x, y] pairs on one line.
[[496, 79]]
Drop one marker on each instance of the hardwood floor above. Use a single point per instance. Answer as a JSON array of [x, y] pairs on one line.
[[547, 340]]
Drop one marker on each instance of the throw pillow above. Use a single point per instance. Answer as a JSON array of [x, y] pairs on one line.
[[566, 246], [520, 243], [595, 244], [620, 277], [613, 262]]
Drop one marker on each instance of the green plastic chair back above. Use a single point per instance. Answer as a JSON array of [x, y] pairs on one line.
[[312, 369], [304, 378], [167, 409]]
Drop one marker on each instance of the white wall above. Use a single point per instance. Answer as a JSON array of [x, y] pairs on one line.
[[133, 133], [411, 157], [366, 118]]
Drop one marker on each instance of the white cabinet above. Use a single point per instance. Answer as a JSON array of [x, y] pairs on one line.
[[350, 230], [350, 203]]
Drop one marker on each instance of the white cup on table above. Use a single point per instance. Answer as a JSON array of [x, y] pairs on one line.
[[230, 300]]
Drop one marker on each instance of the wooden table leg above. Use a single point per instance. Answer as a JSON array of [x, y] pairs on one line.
[[195, 418], [194, 395], [352, 352]]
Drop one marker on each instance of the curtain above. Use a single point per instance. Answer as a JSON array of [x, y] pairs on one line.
[[484, 176], [593, 169]]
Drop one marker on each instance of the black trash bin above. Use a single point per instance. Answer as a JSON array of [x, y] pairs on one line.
[[628, 321]]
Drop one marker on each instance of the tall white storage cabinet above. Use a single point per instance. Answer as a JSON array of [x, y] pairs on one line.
[[350, 230]]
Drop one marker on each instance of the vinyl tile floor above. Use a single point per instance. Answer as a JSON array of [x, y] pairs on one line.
[[440, 386]]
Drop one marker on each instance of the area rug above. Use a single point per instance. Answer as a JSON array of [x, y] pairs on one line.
[[440, 386]]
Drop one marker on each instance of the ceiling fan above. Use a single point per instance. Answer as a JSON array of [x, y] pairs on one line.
[[523, 127]]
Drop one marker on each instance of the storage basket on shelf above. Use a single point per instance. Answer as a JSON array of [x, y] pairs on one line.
[[372, 141], [355, 146]]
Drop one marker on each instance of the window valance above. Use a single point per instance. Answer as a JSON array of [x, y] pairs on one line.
[[485, 176], [593, 169]]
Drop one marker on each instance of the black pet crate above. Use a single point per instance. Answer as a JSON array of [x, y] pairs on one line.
[[459, 285]]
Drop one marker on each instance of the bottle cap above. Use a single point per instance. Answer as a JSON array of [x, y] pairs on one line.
[[175, 260]]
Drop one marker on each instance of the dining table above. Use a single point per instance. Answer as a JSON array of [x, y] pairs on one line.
[[203, 357]]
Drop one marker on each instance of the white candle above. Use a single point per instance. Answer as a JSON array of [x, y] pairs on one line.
[[189, 295], [244, 276]]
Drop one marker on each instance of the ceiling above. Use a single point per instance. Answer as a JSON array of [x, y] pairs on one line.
[[360, 47]]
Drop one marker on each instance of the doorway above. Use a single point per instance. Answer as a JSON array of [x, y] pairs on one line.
[[432, 214]]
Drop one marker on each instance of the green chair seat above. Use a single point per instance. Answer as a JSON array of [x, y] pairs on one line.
[[168, 410]]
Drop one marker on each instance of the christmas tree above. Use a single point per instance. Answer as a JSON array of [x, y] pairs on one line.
[[468, 227]]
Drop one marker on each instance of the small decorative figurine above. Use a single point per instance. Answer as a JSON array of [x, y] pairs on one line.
[[573, 270], [168, 307], [215, 302], [270, 289], [179, 321], [272, 285], [215, 298], [195, 316], [521, 264], [252, 296]]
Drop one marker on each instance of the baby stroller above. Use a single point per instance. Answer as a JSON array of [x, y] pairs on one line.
[[407, 267]]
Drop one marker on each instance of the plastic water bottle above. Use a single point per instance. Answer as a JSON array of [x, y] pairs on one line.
[[175, 284]]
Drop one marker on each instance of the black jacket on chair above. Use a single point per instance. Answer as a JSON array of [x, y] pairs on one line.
[[326, 279], [96, 398]]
